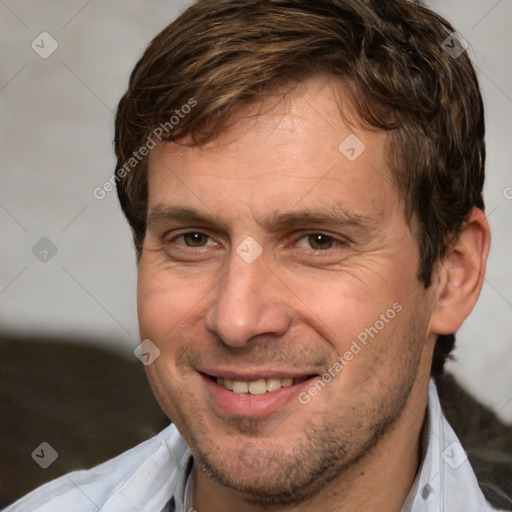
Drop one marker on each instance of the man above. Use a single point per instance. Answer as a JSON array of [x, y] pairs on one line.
[[303, 181]]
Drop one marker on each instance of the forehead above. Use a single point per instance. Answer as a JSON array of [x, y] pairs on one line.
[[294, 149]]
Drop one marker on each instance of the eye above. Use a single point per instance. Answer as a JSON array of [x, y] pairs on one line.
[[318, 241], [193, 239]]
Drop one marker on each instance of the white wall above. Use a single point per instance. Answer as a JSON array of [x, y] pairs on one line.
[[56, 147]]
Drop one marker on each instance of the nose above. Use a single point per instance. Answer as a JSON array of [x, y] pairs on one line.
[[249, 301]]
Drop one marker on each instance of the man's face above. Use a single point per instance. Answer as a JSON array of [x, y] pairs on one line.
[[338, 265]]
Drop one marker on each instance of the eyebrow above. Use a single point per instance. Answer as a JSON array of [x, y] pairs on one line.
[[335, 216], [161, 214]]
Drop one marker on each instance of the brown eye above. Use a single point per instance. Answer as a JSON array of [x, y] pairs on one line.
[[320, 242], [193, 239], [317, 242]]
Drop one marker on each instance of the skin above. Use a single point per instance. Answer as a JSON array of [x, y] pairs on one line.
[[297, 307]]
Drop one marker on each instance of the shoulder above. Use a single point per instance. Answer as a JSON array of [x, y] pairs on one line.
[[144, 476]]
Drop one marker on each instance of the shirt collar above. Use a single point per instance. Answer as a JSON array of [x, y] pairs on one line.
[[445, 480], [182, 497]]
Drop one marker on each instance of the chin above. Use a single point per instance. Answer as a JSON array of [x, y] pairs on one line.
[[270, 472]]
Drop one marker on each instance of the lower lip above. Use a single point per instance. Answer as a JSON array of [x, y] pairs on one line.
[[245, 404]]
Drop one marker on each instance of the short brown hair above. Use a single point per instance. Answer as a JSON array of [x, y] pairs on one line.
[[393, 56]]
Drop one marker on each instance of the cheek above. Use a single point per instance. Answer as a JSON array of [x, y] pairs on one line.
[[366, 321], [343, 306], [161, 303], [169, 306]]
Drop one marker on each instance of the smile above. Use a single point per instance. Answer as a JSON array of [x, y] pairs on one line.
[[253, 393], [259, 386]]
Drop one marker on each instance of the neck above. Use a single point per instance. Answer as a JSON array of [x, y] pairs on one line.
[[380, 480]]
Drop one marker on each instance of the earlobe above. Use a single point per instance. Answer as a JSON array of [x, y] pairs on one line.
[[461, 275]]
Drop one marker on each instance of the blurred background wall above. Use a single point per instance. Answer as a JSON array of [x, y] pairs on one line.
[[67, 267]]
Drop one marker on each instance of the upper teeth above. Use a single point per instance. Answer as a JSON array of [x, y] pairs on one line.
[[254, 387]]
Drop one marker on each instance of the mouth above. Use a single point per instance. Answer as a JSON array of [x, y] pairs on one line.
[[253, 394], [258, 386]]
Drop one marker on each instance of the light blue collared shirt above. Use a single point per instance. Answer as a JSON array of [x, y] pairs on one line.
[[446, 481], [156, 476]]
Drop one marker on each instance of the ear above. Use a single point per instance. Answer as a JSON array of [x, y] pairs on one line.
[[460, 275]]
